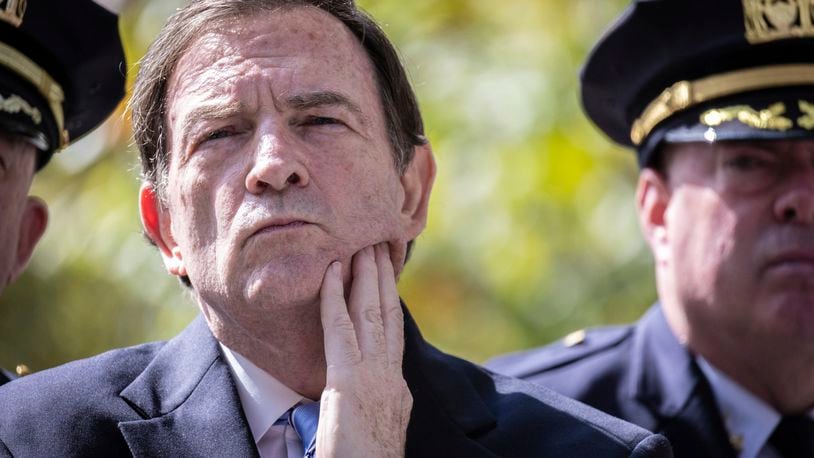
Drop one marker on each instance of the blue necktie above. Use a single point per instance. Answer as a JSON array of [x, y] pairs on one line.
[[304, 419]]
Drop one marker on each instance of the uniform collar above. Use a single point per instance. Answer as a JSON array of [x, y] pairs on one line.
[[264, 398], [749, 420]]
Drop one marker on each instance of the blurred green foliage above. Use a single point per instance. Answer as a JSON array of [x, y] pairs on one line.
[[532, 230]]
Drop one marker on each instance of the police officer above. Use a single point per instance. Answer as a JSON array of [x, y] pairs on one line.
[[61, 74], [717, 99]]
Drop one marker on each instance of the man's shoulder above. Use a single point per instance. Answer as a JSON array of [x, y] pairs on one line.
[[99, 375], [524, 419], [596, 366], [588, 349], [579, 429], [79, 399]]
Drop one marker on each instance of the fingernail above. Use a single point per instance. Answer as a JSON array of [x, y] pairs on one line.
[[336, 267]]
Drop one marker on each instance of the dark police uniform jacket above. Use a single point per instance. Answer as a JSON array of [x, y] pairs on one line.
[[5, 376], [179, 399], [640, 373]]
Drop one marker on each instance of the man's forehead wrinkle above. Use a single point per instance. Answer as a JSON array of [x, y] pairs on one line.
[[210, 111], [223, 63], [205, 72], [308, 100]]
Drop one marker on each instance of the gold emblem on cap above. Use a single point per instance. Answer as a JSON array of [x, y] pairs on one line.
[[768, 119], [15, 104], [769, 20], [12, 11], [807, 120]]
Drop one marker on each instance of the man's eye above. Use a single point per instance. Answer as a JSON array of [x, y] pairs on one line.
[[745, 163], [320, 121], [216, 134]]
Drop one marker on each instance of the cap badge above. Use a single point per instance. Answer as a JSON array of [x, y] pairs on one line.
[[12, 11], [769, 20]]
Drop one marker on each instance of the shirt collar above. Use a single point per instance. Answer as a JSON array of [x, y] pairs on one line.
[[748, 419], [263, 397]]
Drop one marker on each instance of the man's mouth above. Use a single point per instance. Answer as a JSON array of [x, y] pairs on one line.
[[280, 225], [796, 261]]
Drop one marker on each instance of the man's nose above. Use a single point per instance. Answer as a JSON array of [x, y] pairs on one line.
[[796, 204], [278, 164]]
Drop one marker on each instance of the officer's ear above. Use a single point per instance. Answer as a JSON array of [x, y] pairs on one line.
[[652, 200], [155, 218], [32, 225]]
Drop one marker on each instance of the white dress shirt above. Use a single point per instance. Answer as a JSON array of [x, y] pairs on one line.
[[748, 420], [265, 400]]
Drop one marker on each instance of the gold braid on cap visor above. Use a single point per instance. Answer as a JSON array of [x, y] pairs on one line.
[[19, 63], [686, 94]]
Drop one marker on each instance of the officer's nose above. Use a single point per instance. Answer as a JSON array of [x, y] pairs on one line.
[[278, 164], [796, 204]]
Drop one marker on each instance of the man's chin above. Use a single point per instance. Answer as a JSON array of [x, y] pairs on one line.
[[281, 289], [792, 314]]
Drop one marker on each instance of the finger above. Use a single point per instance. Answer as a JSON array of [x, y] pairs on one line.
[[364, 308], [340, 343], [392, 315]]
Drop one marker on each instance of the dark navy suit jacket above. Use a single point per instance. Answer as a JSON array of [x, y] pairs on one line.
[[179, 399], [640, 373]]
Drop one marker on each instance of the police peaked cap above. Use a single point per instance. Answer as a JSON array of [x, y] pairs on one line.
[[62, 70], [703, 70]]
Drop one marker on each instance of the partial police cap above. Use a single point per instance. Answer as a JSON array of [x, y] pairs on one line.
[[698, 70], [62, 70]]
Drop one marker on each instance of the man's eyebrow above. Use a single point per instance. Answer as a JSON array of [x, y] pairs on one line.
[[324, 98], [206, 112]]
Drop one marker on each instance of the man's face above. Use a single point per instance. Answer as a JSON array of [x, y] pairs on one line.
[[739, 239], [17, 159], [279, 160]]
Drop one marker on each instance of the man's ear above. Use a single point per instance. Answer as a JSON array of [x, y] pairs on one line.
[[157, 224], [652, 200], [32, 225], [417, 183]]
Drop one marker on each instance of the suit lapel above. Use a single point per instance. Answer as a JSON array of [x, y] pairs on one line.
[[667, 378], [448, 413], [188, 401]]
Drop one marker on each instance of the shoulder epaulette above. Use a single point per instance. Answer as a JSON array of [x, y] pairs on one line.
[[573, 347]]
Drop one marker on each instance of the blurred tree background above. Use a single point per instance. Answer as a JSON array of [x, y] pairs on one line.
[[532, 231]]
